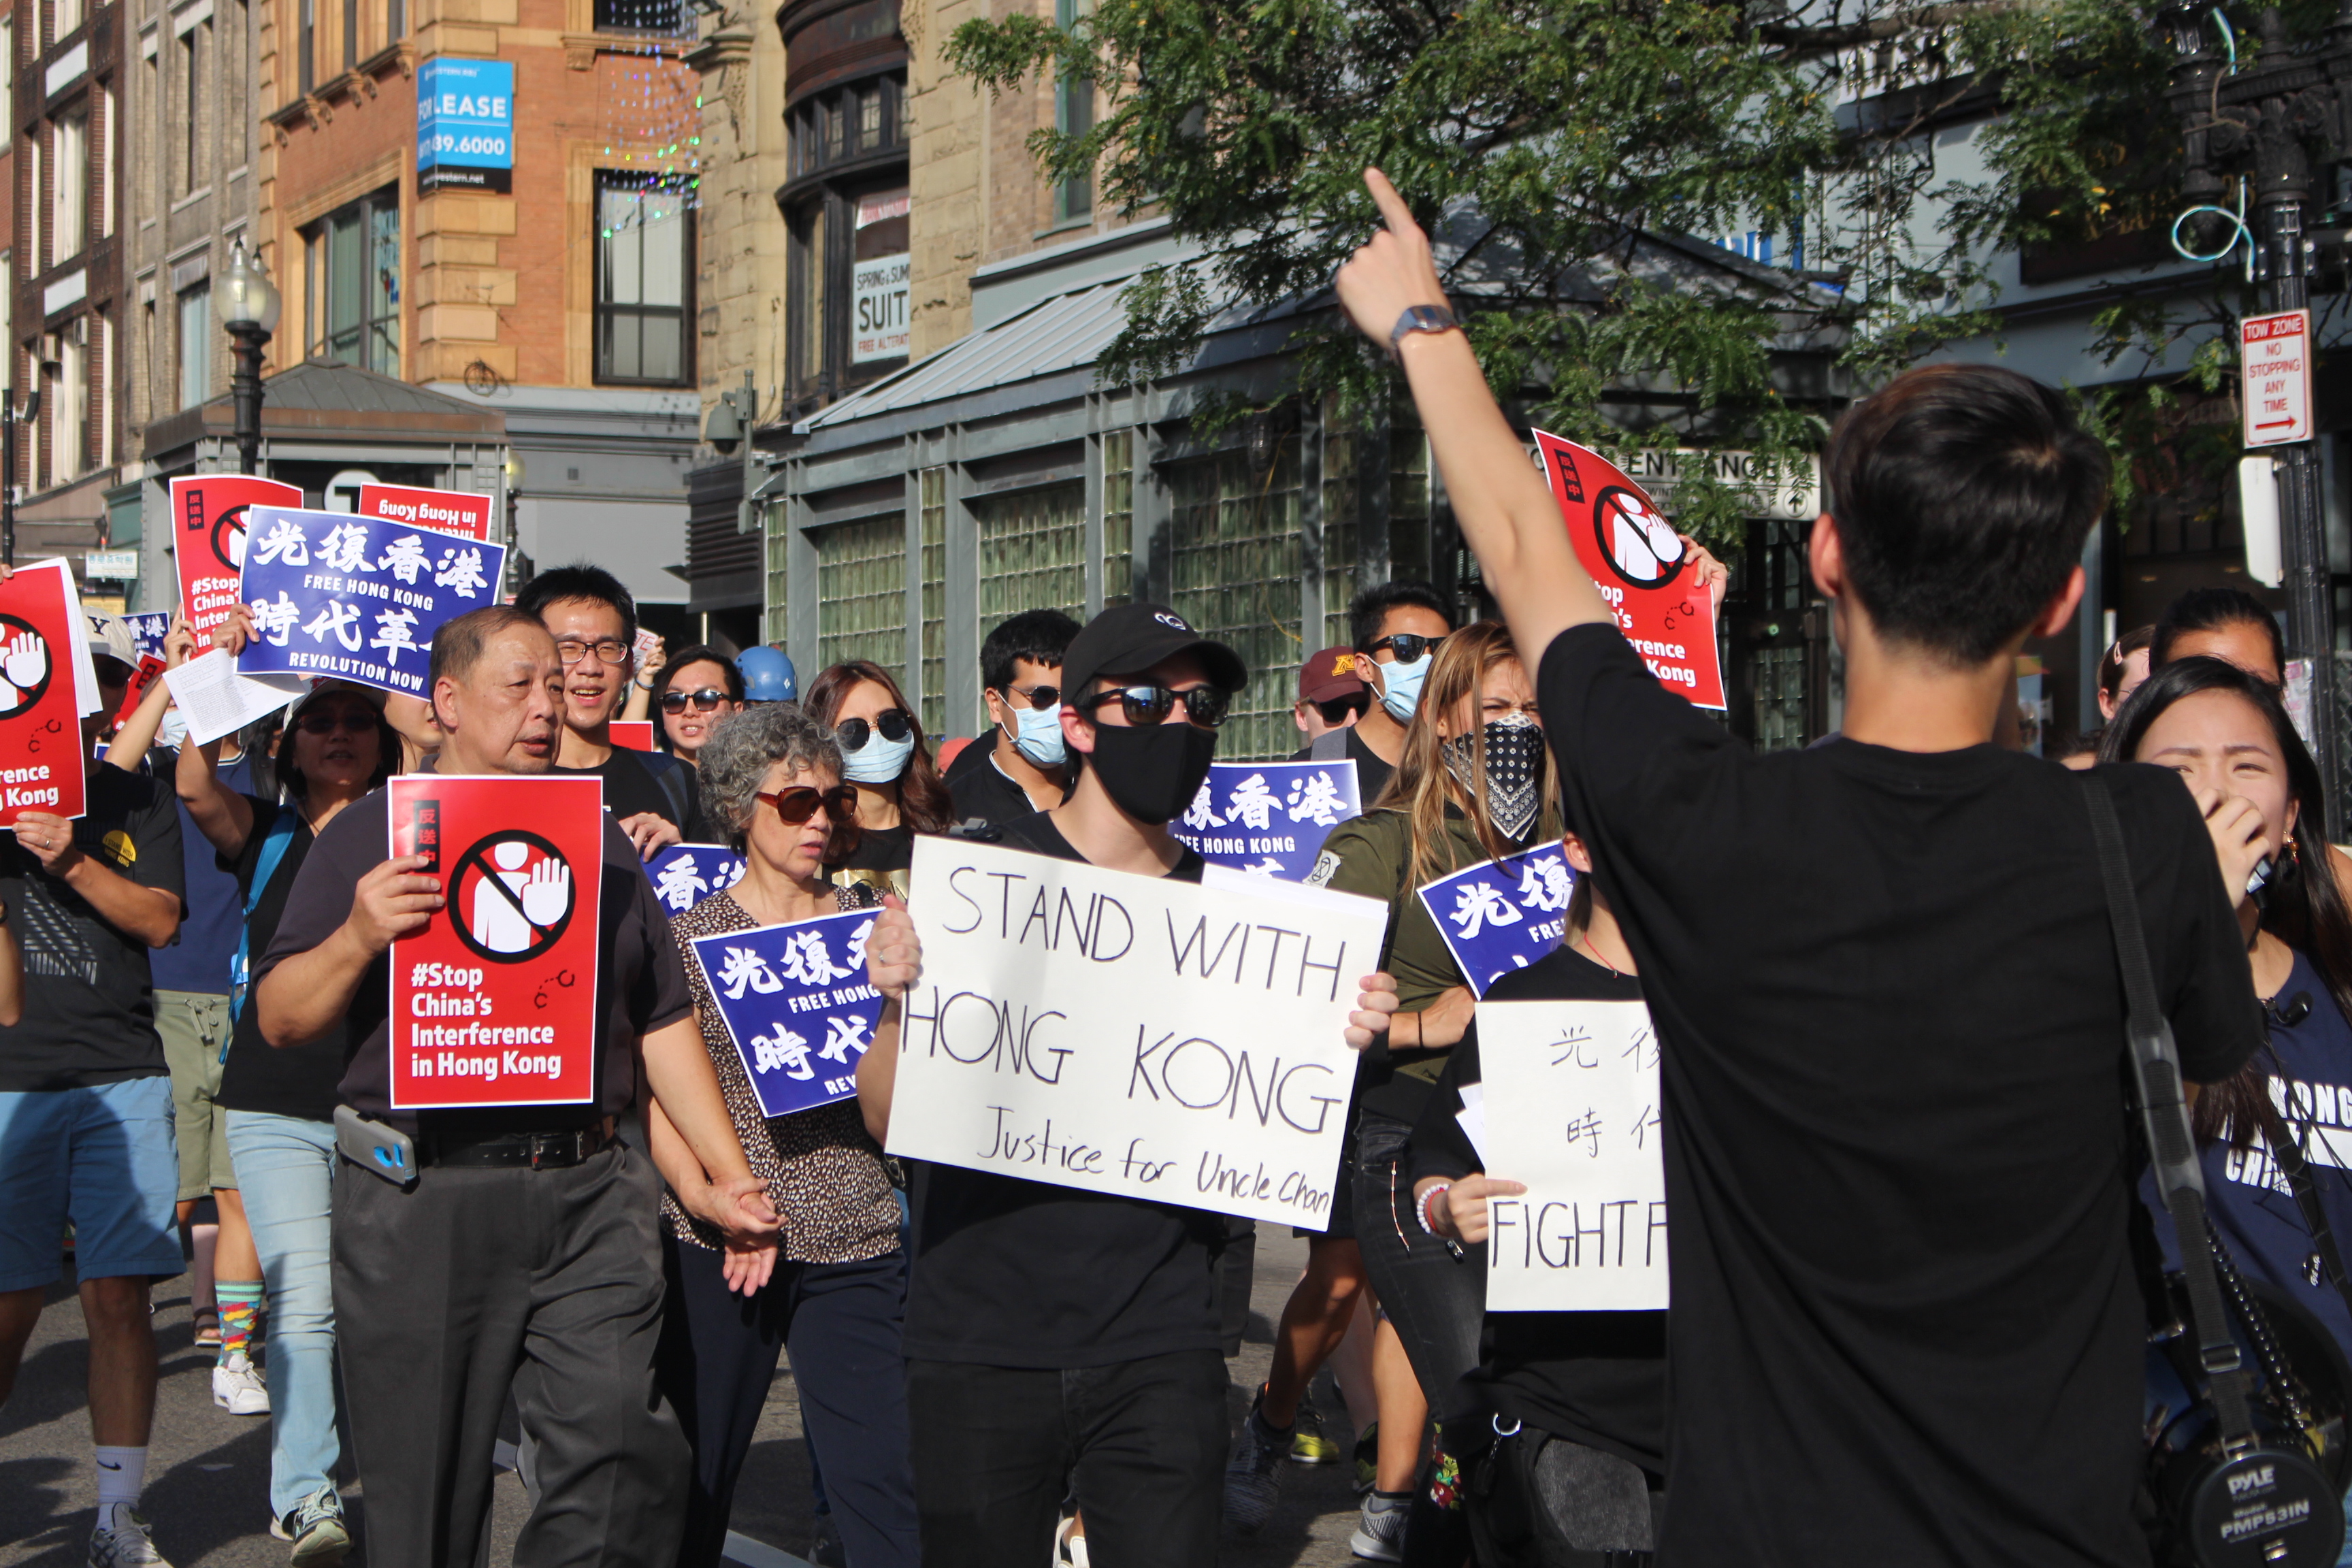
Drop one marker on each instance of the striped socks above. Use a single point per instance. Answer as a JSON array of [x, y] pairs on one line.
[[240, 1304]]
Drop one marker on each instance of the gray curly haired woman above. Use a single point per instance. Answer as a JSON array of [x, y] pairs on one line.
[[829, 1291]]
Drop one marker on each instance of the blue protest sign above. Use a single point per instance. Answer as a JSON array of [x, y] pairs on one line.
[[1269, 817], [148, 628], [357, 598], [685, 874], [465, 124], [796, 1003], [1501, 915]]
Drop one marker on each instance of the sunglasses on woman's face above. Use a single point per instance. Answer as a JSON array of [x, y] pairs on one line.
[[705, 700], [1408, 647], [892, 722], [328, 722], [1204, 706], [798, 804]]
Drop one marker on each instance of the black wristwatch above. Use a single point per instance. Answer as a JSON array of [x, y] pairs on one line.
[[1419, 319]]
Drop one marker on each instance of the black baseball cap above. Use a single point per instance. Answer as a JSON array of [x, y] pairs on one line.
[[1127, 640]]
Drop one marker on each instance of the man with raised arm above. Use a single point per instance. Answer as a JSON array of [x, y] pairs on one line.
[[525, 1253], [1906, 1326]]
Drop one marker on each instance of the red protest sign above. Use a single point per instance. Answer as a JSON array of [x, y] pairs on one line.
[[1641, 568], [444, 511], [208, 539], [150, 671], [633, 734], [494, 1002], [40, 715]]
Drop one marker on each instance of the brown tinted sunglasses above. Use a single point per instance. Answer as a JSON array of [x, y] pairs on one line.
[[797, 804]]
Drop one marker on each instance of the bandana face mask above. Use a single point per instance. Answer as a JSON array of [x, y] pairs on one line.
[[1514, 771]]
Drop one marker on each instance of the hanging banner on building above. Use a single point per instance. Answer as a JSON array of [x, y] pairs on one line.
[[494, 1002], [465, 125], [1134, 1035], [878, 321], [1570, 1104], [42, 692], [444, 511], [208, 516], [1268, 817], [1501, 915], [148, 629], [358, 598], [633, 735], [685, 874], [796, 1003], [1640, 565]]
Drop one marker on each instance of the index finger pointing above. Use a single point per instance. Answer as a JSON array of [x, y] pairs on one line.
[[1393, 212]]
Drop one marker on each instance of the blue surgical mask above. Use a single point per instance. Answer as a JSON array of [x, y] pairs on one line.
[[879, 762], [1039, 736], [1401, 685]]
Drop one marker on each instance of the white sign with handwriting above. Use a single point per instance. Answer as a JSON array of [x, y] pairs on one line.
[[1132, 1035], [1571, 1109]]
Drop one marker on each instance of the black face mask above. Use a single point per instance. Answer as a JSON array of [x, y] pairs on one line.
[[1152, 772]]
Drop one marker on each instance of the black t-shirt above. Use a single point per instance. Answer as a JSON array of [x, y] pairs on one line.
[[982, 790], [302, 1079], [89, 1000], [883, 861], [1009, 1272], [1905, 1328], [640, 979], [1596, 1378], [1372, 771], [634, 785]]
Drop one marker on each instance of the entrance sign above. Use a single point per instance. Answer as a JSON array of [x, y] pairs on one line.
[[42, 692], [1571, 1099], [633, 735], [357, 598], [796, 1003], [494, 1000], [1122, 1034], [2274, 362], [1641, 566], [1268, 817], [685, 874], [444, 511], [1501, 915], [208, 516], [465, 125]]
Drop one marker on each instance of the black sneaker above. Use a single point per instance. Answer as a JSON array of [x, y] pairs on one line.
[[1254, 1472]]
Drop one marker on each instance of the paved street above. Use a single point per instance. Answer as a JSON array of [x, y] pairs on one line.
[[208, 1473]]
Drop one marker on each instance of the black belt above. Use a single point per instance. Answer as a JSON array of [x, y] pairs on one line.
[[516, 1150]]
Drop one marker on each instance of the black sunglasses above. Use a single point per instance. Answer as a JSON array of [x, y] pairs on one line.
[[1204, 706], [1407, 646], [327, 722], [1336, 711], [1037, 697], [853, 733], [798, 804], [705, 700]]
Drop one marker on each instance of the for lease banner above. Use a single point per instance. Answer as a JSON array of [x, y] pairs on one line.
[[1268, 817], [494, 1000], [444, 511], [41, 705], [1571, 1109], [1136, 1035], [1501, 915], [1640, 565], [796, 1003], [208, 522], [683, 875], [356, 598]]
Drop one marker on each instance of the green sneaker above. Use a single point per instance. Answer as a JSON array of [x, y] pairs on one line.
[[1308, 1446], [1368, 1457]]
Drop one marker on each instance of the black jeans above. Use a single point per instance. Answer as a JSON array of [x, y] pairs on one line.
[[840, 1323], [1436, 1299], [476, 1281], [1140, 1444]]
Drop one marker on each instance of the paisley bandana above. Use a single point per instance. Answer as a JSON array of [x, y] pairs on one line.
[[1514, 771]]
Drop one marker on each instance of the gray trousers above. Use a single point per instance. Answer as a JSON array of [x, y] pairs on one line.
[[478, 1281]]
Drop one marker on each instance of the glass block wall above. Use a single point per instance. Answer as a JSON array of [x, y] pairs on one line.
[[1119, 516], [1235, 563], [934, 504], [862, 592], [1032, 552], [1339, 523], [779, 540]]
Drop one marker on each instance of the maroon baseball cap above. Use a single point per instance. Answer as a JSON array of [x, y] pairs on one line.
[[1330, 675]]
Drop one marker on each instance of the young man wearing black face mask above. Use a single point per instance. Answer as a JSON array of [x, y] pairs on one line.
[[1062, 1342]]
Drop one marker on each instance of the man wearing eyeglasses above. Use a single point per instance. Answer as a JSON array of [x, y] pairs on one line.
[[1062, 1342], [595, 623], [1397, 626], [1027, 769]]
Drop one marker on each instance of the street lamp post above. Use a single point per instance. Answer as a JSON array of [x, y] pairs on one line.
[[249, 306], [2275, 121]]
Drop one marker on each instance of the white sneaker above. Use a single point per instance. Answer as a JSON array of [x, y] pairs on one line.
[[238, 1389], [1380, 1532], [1069, 1550], [124, 1542]]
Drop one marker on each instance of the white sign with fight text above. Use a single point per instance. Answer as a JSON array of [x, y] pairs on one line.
[[1133, 1035], [1571, 1109]]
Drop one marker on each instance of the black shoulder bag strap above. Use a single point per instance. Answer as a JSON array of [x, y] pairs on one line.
[[2172, 1149], [2292, 1165]]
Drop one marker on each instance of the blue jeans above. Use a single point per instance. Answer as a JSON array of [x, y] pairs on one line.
[[286, 1170]]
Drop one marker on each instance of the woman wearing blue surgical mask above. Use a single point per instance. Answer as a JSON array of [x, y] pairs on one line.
[[883, 753]]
